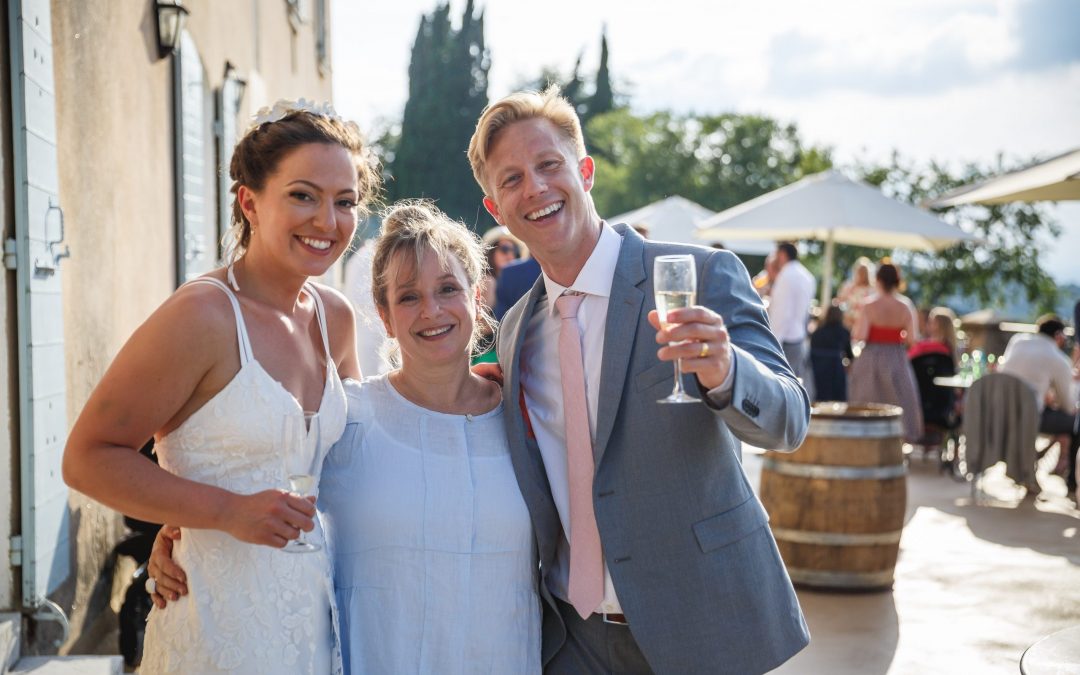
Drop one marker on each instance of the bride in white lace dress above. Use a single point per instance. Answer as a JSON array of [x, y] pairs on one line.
[[211, 375]]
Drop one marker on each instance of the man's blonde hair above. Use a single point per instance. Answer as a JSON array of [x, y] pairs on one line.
[[523, 105]]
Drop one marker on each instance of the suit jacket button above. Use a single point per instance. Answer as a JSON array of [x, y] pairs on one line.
[[749, 408]]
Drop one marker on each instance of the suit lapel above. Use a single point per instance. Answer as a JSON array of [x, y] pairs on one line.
[[525, 457], [620, 331]]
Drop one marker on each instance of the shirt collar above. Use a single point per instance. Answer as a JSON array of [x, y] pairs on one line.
[[598, 273]]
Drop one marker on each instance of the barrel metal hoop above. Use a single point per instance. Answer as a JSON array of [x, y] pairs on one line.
[[879, 579], [840, 472], [836, 538], [841, 428]]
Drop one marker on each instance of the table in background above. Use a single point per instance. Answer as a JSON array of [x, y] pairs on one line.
[[954, 381], [1056, 653]]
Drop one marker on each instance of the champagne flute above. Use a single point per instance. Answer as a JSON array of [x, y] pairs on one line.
[[301, 435], [675, 285]]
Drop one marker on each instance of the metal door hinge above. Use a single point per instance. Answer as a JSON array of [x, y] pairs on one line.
[[16, 550], [51, 261], [11, 255]]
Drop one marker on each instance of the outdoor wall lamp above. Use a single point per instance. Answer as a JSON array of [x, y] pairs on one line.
[[239, 83], [170, 23]]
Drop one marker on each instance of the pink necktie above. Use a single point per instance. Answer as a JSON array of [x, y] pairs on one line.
[[586, 559]]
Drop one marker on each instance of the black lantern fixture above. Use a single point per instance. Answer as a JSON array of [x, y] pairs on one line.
[[239, 84], [170, 23]]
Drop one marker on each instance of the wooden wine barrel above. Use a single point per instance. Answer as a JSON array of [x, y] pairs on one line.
[[836, 505]]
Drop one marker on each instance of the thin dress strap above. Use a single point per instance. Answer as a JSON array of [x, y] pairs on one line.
[[241, 330], [320, 312]]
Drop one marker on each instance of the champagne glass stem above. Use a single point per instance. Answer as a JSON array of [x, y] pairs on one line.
[[678, 392]]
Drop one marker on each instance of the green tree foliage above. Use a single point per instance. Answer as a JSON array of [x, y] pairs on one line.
[[715, 160], [1004, 260], [448, 79]]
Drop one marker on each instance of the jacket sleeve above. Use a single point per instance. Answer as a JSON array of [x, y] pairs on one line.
[[768, 407]]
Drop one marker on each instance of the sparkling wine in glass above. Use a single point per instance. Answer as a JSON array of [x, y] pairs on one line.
[[675, 285], [300, 441]]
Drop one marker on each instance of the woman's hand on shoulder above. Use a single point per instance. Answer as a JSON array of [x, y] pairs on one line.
[[489, 371]]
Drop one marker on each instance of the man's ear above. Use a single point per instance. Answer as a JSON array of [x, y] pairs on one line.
[[493, 209], [588, 171]]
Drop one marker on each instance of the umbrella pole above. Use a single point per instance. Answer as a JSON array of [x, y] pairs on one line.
[[827, 271]]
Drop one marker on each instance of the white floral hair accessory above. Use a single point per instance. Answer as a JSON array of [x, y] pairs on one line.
[[283, 107]]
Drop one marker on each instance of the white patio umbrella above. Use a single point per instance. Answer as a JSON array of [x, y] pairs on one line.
[[1056, 179], [677, 218], [837, 210]]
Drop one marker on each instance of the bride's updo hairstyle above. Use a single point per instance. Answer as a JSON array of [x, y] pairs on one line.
[[412, 227], [274, 134]]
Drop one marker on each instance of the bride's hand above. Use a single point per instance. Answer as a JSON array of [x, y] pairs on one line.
[[167, 575], [271, 517]]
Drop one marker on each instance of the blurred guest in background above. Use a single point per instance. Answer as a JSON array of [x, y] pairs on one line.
[[856, 290], [933, 357], [830, 344], [940, 335], [1076, 334], [882, 372], [1038, 359], [514, 281], [789, 310], [763, 280], [501, 249]]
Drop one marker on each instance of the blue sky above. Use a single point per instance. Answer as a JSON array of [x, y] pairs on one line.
[[948, 80]]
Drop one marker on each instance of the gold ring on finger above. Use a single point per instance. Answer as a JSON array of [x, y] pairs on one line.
[[704, 350]]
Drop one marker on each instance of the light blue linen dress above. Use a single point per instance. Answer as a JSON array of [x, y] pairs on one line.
[[435, 567]]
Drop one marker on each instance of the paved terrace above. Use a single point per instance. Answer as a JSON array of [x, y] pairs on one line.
[[976, 583]]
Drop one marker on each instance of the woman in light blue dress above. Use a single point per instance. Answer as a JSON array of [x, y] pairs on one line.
[[435, 566], [434, 560]]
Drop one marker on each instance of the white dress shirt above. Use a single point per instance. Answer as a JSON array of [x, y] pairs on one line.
[[789, 302], [542, 383], [1036, 359]]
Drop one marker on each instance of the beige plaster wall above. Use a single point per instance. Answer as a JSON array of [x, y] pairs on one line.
[[115, 138]]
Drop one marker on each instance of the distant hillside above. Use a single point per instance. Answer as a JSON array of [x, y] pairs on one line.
[[1018, 308]]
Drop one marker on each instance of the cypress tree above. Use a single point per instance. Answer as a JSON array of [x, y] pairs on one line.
[[603, 98], [447, 91]]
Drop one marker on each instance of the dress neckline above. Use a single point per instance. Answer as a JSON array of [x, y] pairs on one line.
[[247, 354], [384, 380]]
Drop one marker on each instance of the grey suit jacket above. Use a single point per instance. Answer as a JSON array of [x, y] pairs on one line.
[[692, 559]]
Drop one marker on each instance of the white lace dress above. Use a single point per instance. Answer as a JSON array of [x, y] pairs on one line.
[[249, 608]]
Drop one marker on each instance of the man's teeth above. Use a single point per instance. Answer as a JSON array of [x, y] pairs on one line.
[[321, 244], [435, 331], [547, 210]]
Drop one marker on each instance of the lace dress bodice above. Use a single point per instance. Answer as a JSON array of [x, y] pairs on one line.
[[249, 608]]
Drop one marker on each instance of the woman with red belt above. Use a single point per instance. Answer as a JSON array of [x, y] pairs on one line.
[[882, 373]]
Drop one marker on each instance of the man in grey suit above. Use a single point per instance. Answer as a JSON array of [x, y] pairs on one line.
[[689, 579]]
